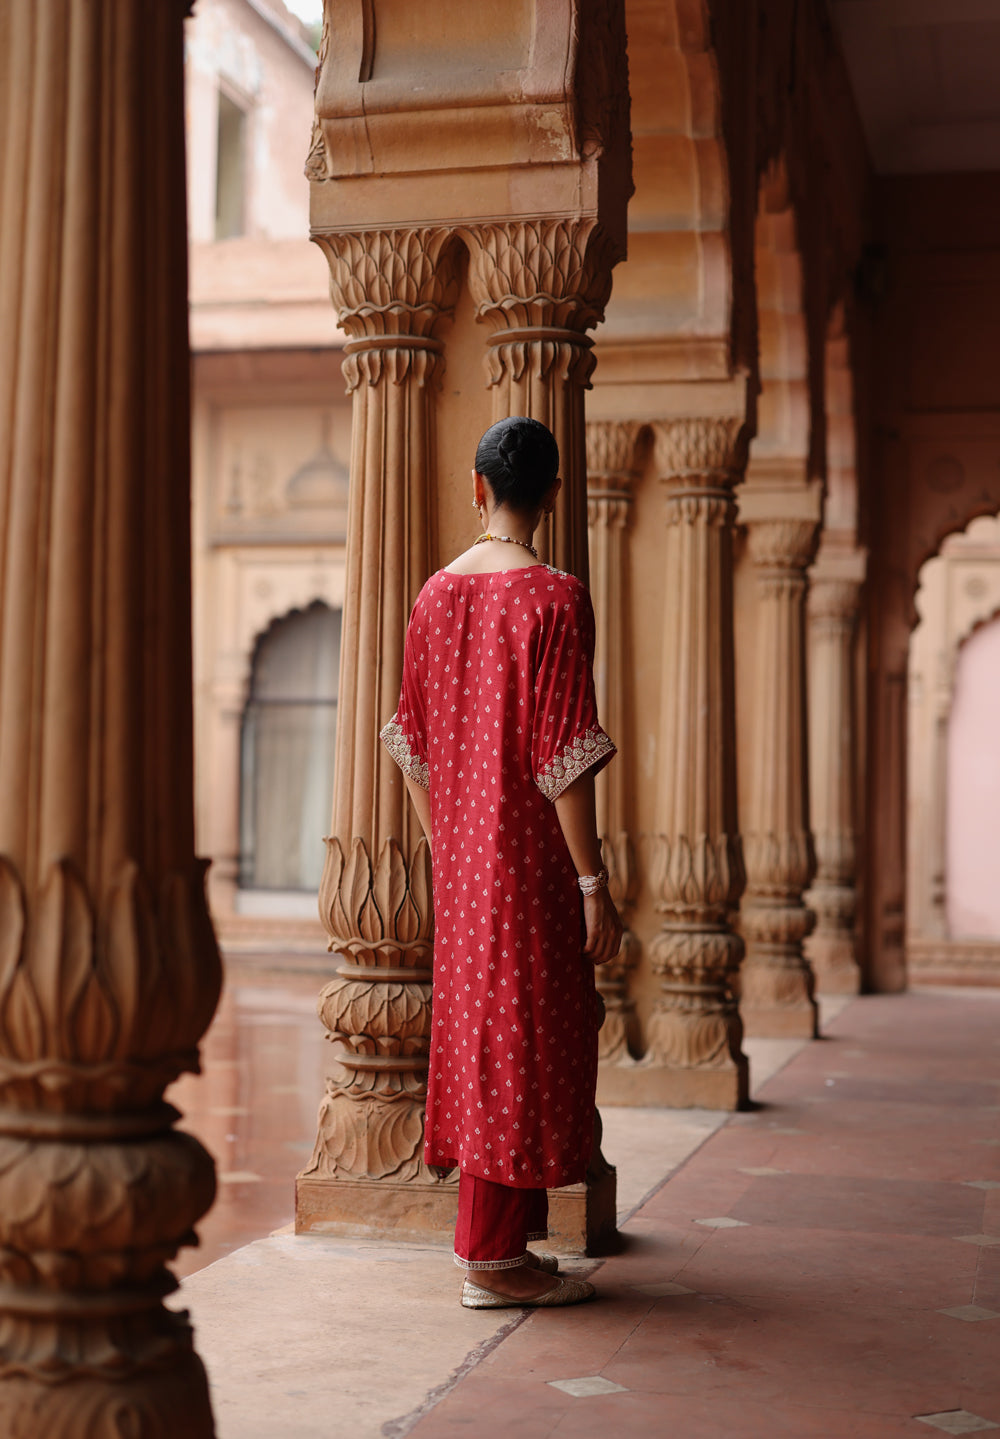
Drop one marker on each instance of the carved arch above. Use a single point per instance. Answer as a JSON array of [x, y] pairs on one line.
[[933, 662], [292, 590]]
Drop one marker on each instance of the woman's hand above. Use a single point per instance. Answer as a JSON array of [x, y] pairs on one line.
[[604, 927]]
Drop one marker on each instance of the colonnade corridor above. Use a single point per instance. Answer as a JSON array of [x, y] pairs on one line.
[[826, 1264], [757, 310]]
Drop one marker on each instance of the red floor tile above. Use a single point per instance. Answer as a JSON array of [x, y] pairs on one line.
[[820, 1315]]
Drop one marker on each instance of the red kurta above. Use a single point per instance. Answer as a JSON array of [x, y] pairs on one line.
[[497, 716]]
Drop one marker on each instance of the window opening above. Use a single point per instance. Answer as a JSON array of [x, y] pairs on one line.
[[230, 170], [287, 749]]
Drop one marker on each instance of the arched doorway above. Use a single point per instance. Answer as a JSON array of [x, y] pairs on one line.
[[953, 878], [286, 755], [973, 856]]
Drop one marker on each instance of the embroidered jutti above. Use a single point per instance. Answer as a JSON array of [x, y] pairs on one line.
[[497, 716]]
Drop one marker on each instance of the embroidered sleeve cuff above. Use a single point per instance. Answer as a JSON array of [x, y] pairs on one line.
[[590, 749], [396, 742]]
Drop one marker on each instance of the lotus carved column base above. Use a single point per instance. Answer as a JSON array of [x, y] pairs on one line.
[[367, 1174], [694, 1060], [776, 983], [106, 1405], [830, 949]]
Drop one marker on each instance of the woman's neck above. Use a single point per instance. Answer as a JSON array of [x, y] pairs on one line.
[[511, 526]]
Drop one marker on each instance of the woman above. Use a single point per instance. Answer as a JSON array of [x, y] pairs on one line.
[[497, 736]]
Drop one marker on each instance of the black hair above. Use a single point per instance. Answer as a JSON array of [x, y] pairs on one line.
[[519, 459]]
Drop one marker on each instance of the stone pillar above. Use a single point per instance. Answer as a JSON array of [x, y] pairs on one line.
[[612, 449], [776, 983], [393, 289], [695, 1035], [937, 826], [109, 971], [834, 597], [521, 152], [540, 285], [220, 821], [888, 830]]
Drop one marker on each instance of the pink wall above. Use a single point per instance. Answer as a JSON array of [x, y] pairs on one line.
[[973, 873]]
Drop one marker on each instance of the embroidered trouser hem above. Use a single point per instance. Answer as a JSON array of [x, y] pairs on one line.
[[495, 1222]]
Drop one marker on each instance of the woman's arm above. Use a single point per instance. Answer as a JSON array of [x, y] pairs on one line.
[[421, 803], [576, 810]]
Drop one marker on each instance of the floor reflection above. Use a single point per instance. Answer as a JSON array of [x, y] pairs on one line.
[[254, 1106]]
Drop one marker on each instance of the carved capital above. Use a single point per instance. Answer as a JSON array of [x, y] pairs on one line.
[[782, 547], [540, 285], [391, 290], [612, 454], [701, 451], [834, 603], [541, 274]]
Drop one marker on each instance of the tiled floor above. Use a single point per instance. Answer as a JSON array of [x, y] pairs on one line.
[[853, 1292]]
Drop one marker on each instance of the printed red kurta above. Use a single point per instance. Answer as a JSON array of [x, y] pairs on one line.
[[496, 718]]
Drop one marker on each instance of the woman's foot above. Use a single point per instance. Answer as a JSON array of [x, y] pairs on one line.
[[524, 1281], [547, 1263], [558, 1292]]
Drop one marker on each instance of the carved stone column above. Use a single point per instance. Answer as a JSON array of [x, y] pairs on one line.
[[695, 1034], [540, 285], [834, 597], [393, 290], [888, 831], [611, 457], [937, 828], [109, 971], [776, 983]]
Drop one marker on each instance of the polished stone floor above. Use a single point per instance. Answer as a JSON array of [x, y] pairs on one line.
[[254, 1105], [827, 1264]]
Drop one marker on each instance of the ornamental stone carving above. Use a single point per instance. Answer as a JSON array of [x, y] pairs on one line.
[[776, 982], [539, 285], [833, 606], [538, 282], [109, 971], [376, 1013], [392, 289], [612, 454], [695, 1033]]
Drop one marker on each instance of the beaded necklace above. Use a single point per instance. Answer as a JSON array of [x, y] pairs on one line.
[[506, 540]]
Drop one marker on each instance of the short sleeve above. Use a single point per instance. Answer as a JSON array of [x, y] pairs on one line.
[[566, 737], [405, 736]]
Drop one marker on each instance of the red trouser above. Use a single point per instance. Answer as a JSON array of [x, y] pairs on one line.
[[495, 1222]]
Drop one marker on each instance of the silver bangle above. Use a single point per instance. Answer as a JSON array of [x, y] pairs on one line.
[[591, 883]]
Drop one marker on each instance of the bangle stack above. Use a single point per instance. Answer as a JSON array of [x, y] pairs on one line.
[[591, 883]]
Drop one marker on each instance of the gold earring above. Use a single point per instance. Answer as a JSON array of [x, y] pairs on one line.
[[476, 506]]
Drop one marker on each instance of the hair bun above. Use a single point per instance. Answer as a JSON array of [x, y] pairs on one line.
[[519, 459], [508, 446]]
